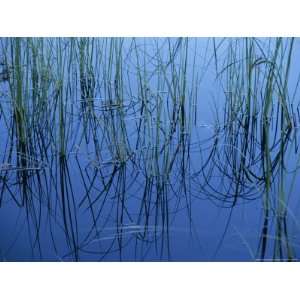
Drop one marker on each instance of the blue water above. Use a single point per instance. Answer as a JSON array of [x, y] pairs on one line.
[[138, 215]]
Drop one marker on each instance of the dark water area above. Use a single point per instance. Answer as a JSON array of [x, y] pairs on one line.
[[149, 149]]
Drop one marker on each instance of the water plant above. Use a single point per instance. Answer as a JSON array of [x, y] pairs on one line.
[[116, 148]]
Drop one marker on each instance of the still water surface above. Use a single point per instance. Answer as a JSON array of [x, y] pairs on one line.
[[149, 149]]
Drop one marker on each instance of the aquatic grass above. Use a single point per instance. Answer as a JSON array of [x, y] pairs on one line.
[[252, 77], [115, 129]]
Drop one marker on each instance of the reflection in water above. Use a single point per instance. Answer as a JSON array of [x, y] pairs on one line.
[[149, 149]]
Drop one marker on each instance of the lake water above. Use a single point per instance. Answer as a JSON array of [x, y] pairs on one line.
[[149, 149]]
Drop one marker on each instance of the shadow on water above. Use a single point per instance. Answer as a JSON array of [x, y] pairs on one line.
[[149, 149]]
